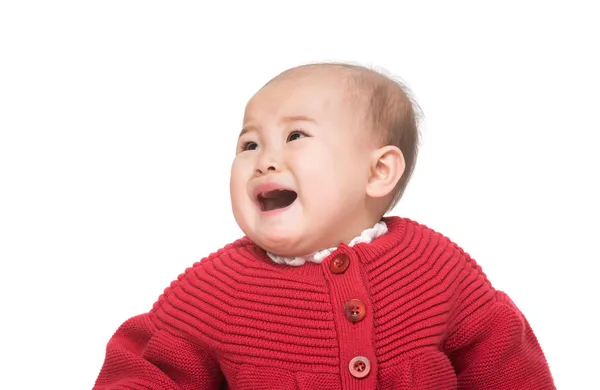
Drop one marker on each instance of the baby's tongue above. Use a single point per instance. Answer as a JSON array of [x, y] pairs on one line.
[[271, 204]]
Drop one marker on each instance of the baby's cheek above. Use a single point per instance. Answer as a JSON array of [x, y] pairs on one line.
[[322, 163], [326, 194], [242, 169]]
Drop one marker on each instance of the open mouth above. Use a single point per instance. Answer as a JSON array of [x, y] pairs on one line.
[[277, 199]]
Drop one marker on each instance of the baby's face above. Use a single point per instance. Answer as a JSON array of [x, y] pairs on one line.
[[299, 176]]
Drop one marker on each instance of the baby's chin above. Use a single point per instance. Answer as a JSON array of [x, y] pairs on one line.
[[284, 246]]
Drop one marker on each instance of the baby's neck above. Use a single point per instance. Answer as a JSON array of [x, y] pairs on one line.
[[366, 236]]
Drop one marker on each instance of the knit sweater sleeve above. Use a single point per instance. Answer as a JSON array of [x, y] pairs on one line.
[[141, 356], [492, 346]]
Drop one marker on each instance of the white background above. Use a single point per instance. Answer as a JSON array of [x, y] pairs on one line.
[[118, 124]]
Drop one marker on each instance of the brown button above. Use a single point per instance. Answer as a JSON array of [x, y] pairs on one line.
[[339, 264], [359, 367], [355, 310]]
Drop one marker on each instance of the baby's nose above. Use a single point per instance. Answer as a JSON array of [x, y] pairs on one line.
[[262, 171], [267, 163]]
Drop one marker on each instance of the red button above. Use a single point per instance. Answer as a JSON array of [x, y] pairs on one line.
[[339, 264], [355, 310], [359, 367]]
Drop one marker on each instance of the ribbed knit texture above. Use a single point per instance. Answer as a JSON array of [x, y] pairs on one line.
[[237, 320]]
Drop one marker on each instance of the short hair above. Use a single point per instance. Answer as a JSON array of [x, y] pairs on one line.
[[390, 108]]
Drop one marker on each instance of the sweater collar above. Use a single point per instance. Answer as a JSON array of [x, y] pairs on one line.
[[366, 236]]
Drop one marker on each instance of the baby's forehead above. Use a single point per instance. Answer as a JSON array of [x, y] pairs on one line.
[[307, 89]]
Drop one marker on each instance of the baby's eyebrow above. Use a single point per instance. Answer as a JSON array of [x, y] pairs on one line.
[[297, 118], [246, 130], [286, 119]]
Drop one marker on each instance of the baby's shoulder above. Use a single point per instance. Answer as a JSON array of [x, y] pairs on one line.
[[238, 255], [241, 250], [422, 232], [434, 246]]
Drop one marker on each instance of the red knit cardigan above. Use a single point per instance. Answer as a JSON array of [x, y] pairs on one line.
[[411, 310]]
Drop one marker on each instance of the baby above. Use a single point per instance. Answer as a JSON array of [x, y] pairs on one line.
[[325, 291]]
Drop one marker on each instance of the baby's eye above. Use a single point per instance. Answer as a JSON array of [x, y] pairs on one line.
[[249, 146], [294, 135]]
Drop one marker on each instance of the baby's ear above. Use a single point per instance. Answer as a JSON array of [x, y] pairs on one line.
[[387, 167]]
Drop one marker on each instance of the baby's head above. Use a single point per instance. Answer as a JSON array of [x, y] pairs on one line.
[[325, 151]]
